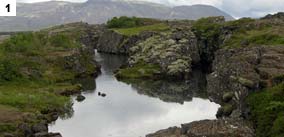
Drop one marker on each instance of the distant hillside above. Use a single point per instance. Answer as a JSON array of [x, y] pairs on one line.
[[44, 14]]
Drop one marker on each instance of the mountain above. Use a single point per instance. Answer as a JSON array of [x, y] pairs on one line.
[[33, 16]]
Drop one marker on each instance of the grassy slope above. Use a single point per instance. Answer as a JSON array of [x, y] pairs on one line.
[[33, 72], [256, 32]]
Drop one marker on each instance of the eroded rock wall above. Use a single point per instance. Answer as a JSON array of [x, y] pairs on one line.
[[241, 71]]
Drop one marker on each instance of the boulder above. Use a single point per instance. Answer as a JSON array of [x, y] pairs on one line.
[[80, 98], [40, 127]]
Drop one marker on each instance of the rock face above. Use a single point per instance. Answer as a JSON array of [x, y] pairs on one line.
[[115, 43], [208, 128], [261, 65], [173, 51], [240, 66], [111, 42]]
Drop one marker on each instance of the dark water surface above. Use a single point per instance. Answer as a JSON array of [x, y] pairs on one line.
[[134, 109]]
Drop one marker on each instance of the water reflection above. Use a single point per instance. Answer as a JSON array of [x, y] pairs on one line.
[[88, 84], [169, 91], [128, 111]]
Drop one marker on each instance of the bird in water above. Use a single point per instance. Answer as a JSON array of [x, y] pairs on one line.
[[101, 94]]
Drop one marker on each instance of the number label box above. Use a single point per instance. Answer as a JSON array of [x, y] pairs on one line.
[[8, 7]]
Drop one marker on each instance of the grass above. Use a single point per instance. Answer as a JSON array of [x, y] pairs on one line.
[[139, 71], [267, 108], [265, 36], [136, 30], [31, 96], [244, 32], [130, 22], [36, 68]]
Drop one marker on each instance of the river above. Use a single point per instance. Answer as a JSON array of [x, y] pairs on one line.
[[134, 108]]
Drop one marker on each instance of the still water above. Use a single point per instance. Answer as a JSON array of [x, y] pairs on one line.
[[134, 108]]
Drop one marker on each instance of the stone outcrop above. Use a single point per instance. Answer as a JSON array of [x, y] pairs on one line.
[[175, 52], [209, 128], [111, 42], [243, 70], [92, 35], [82, 63], [235, 72], [115, 43], [279, 15]]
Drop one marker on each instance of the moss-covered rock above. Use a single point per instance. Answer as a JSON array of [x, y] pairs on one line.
[[228, 96], [225, 110], [174, 51]]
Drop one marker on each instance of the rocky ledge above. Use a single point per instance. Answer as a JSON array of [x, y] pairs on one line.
[[209, 128], [241, 58], [238, 72]]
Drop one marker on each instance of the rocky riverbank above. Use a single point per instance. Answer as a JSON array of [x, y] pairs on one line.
[[240, 58], [37, 75], [251, 64]]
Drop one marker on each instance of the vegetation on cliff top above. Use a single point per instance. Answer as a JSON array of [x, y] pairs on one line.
[[244, 32], [133, 26], [249, 32], [136, 30], [130, 22]]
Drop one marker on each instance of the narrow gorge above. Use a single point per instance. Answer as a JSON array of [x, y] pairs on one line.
[[136, 76]]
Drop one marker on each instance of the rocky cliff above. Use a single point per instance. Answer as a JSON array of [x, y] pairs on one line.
[[240, 57]]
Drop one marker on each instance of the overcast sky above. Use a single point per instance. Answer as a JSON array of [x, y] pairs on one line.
[[236, 8]]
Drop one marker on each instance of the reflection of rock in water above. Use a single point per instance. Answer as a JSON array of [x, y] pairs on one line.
[[171, 91], [68, 111], [88, 84]]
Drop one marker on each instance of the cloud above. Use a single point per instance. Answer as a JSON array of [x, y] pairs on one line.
[[251, 8], [236, 8]]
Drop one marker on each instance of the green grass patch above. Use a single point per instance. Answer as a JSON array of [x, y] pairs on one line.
[[267, 109], [129, 22], [136, 30], [32, 96], [139, 71], [265, 36]]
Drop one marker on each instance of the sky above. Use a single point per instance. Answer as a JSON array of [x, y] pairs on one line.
[[236, 8]]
